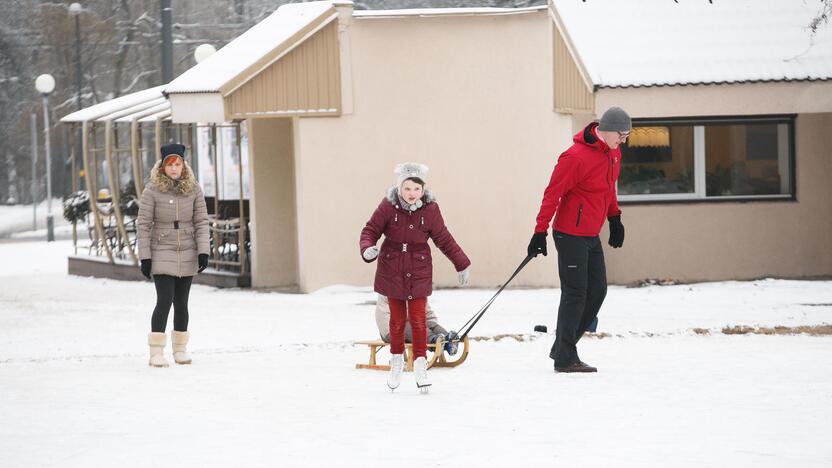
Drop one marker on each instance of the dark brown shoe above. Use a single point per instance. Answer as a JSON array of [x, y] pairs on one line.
[[577, 367]]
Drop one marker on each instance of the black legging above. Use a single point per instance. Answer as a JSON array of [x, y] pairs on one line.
[[171, 290]]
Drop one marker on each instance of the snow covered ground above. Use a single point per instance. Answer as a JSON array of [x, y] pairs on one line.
[[18, 218], [273, 381]]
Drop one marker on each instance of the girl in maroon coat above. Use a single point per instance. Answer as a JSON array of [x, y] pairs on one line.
[[407, 217]]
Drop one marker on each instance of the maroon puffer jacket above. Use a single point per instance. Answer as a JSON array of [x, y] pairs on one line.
[[405, 267]]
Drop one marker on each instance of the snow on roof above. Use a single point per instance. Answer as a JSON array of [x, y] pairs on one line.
[[250, 47], [139, 114], [445, 12], [164, 115], [116, 105], [134, 110], [650, 42]]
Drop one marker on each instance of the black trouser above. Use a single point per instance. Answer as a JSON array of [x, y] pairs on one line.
[[583, 286], [171, 290]]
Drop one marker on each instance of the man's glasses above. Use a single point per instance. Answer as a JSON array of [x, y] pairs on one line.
[[622, 136]]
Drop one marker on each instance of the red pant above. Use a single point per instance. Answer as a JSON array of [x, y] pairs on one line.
[[402, 311]]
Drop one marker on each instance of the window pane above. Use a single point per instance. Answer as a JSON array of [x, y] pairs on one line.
[[657, 160], [747, 159]]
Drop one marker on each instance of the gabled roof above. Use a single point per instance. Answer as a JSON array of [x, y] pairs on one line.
[[255, 49], [660, 42]]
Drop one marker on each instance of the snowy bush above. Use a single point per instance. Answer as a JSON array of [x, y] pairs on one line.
[[77, 206]]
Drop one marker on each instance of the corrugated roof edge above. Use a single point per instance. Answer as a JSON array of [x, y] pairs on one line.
[[697, 83], [206, 91], [371, 14]]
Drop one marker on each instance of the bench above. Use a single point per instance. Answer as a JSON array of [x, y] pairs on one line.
[[435, 359]]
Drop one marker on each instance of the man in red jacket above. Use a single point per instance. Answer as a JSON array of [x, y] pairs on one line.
[[580, 195]]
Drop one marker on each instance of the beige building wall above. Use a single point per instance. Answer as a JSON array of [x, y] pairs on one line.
[[274, 239], [304, 81], [707, 100], [475, 107], [725, 240], [719, 241], [573, 93]]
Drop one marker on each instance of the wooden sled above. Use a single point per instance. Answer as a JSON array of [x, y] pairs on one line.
[[435, 359]]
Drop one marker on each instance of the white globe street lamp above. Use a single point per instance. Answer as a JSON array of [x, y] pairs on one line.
[[202, 52], [45, 84]]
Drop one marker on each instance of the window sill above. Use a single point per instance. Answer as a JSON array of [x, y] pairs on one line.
[[690, 198]]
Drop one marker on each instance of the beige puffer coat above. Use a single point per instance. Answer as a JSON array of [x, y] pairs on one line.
[[164, 204]]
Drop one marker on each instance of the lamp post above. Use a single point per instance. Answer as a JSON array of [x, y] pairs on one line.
[[75, 10], [33, 125], [167, 42], [45, 84]]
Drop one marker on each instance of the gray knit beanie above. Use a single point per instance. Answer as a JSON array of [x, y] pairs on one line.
[[615, 120]]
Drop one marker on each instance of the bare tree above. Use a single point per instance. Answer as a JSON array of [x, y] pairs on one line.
[[120, 52], [822, 18]]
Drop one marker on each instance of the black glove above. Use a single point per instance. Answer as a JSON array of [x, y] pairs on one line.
[[537, 245], [616, 231], [146, 264], [203, 262]]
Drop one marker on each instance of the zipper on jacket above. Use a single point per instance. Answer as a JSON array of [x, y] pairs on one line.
[[580, 209], [178, 243], [609, 184]]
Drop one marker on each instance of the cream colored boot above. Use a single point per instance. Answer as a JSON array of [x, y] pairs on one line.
[[179, 341], [156, 341]]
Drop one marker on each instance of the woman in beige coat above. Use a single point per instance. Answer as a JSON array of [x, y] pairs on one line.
[[173, 247]]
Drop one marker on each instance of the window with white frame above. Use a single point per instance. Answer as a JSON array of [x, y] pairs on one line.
[[711, 159]]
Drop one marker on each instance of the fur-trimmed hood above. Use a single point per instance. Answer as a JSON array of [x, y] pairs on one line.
[[165, 184], [393, 196]]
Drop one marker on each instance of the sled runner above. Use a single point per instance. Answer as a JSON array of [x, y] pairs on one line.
[[436, 359]]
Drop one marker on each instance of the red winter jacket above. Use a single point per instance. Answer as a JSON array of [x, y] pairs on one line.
[[582, 187], [407, 272]]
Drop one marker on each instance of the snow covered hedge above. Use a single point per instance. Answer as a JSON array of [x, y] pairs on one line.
[[77, 206]]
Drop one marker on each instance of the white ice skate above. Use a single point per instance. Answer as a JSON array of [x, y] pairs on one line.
[[396, 368], [420, 371]]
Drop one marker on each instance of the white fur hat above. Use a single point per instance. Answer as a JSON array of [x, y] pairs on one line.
[[407, 170]]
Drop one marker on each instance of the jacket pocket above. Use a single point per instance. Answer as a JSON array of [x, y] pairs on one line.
[[422, 265], [422, 234], [580, 210], [159, 237], [187, 239], [388, 263]]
